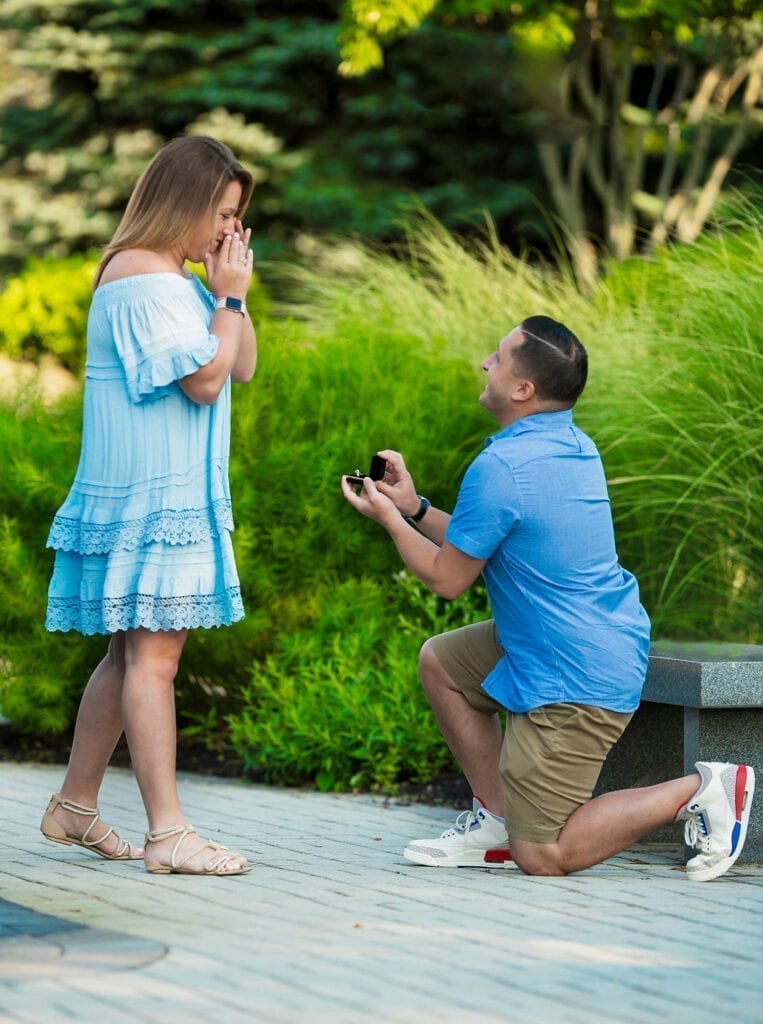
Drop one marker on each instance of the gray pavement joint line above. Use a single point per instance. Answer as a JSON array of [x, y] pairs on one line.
[[189, 998]]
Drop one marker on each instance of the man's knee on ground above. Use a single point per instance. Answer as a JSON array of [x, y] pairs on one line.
[[536, 858]]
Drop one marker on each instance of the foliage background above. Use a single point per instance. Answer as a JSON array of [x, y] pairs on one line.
[[319, 682], [92, 88], [373, 317], [638, 108], [458, 118]]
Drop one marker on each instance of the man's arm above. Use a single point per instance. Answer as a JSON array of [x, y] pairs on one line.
[[433, 524], [440, 566], [444, 569]]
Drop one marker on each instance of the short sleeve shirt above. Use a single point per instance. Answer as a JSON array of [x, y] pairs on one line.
[[534, 503]]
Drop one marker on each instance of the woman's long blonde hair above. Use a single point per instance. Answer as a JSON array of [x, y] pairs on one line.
[[183, 183]]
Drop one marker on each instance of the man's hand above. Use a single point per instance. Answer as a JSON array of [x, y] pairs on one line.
[[440, 566], [398, 484], [370, 501]]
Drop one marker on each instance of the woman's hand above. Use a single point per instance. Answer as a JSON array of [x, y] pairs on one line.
[[229, 269]]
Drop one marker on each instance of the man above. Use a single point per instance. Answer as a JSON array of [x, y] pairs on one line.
[[566, 654]]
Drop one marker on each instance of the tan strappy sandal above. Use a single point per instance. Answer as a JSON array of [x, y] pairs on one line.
[[56, 833], [214, 865]]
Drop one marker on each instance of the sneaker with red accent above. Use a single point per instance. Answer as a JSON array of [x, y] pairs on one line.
[[477, 840], [717, 817]]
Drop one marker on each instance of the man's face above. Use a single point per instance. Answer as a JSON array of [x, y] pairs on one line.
[[503, 386]]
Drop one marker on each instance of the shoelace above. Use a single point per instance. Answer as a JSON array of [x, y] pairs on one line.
[[696, 835], [464, 822]]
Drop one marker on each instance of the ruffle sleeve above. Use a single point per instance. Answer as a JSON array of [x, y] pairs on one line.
[[161, 337]]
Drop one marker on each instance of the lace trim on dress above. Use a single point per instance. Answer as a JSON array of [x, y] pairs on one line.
[[169, 525], [110, 615]]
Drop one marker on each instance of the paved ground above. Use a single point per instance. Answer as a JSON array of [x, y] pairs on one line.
[[334, 926]]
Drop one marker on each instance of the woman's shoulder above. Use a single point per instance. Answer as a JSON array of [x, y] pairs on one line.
[[131, 263]]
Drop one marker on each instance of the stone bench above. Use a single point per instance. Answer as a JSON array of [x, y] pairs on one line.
[[701, 702]]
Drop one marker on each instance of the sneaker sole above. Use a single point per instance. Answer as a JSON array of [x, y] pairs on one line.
[[748, 789], [496, 858]]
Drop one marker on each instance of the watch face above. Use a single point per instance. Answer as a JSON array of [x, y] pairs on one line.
[[236, 304]]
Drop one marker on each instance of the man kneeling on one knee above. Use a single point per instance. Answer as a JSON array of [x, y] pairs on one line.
[[566, 653]]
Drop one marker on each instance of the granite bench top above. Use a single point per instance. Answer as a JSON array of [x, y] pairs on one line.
[[705, 675]]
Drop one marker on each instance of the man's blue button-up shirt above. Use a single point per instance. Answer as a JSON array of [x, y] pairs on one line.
[[534, 503]]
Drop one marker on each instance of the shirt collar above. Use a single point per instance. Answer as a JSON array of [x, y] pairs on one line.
[[536, 423]]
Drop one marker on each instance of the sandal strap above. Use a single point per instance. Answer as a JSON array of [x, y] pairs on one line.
[[214, 864], [181, 831], [211, 866], [96, 842], [68, 805], [164, 833]]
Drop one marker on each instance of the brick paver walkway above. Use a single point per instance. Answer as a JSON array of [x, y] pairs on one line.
[[334, 926]]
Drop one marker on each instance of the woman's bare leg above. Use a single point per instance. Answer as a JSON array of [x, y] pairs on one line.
[[96, 734], [148, 713]]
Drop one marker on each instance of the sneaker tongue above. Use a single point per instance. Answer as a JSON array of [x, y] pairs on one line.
[[477, 804]]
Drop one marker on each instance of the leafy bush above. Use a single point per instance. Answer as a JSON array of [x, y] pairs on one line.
[[317, 408], [44, 309], [339, 702], [41, 674], [319, 681]]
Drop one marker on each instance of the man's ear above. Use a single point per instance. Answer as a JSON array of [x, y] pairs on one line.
[[523, 391]]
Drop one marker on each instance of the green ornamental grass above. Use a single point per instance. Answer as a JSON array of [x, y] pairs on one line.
[[370, 349]]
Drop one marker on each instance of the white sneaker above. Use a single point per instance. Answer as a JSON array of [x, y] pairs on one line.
[[477, 840], [717, 818]]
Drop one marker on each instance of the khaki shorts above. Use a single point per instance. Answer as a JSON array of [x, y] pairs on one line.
[[551, 756]]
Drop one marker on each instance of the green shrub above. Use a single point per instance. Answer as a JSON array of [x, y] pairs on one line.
[[41, 674], [339, 702], [44, 309], [319, 681]]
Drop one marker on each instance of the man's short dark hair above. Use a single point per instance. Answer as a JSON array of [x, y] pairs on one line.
[[553, 358]]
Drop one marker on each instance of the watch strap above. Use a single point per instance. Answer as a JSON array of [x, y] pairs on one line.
[[231, 304], [418, 515]]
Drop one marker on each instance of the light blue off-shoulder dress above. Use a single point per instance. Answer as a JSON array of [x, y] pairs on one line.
[[143, 538]]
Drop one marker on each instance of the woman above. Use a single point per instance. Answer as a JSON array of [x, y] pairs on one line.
[[143, 548]]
